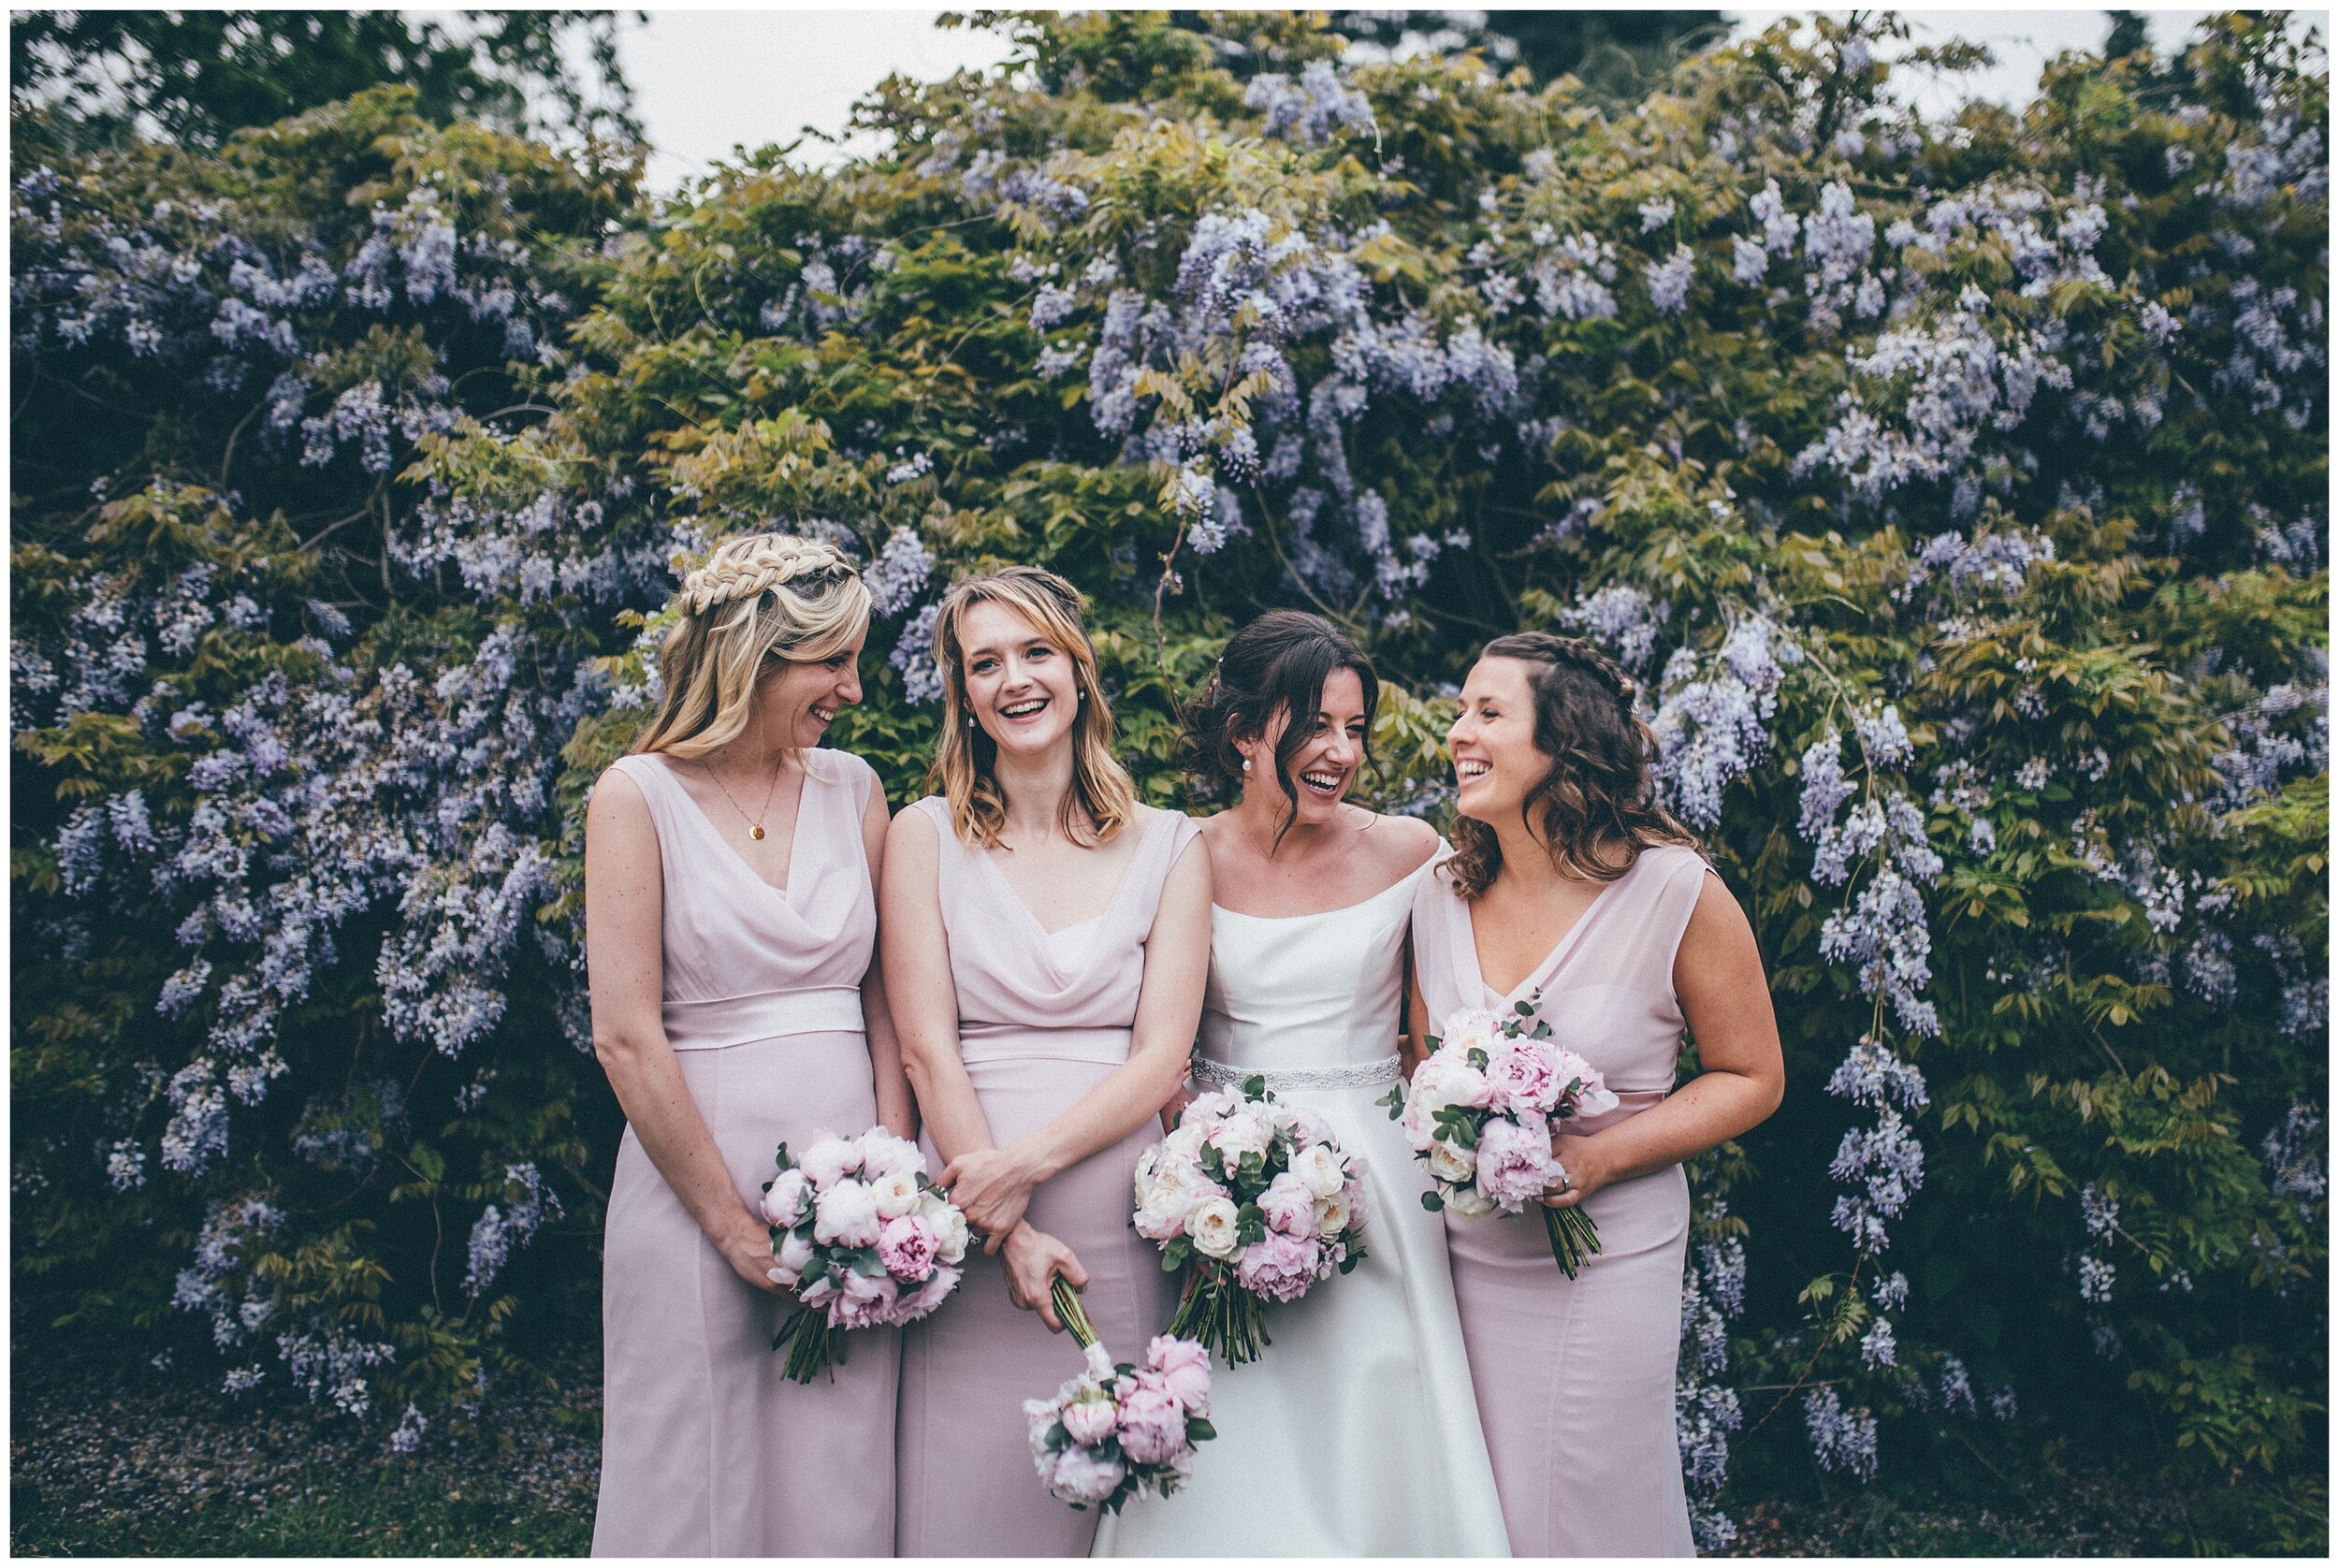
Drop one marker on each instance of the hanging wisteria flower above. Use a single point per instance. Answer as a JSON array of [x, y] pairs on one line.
[[1120, 1431], [862, 1236], [1258, 1203], [1482, 1111]]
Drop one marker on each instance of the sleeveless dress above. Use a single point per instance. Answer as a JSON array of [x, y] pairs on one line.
[[706, 1450], [1042, 1021], [1355, 1434], [1575, 1377]]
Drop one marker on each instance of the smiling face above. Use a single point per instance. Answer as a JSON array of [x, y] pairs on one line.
[[1497, 765], [1021, 687], [797, 701], [1325, 764]]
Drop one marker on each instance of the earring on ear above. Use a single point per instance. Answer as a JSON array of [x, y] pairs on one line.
[[1246, 764]]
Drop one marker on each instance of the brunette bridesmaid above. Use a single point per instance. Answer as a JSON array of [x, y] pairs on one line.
[[1046, 943], [1568, 883], [731, 921]]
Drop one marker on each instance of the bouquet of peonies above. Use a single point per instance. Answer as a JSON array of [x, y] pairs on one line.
[[863, 1239], [1257, 1202], [1116, 1431], [1481, 1111]]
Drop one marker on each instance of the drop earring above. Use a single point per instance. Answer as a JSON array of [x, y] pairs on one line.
[[1246, 764]]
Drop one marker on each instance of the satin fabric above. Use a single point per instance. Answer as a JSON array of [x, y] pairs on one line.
[[1042, 1021], [1574, 1378], [706, 1450], [1356, 1433]]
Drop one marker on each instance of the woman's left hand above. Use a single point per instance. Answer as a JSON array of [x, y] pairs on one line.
[[1580, 1156], [992, 1186]]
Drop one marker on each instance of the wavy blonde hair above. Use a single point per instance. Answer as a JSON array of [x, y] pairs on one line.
[[757, 595], [1103, 799]]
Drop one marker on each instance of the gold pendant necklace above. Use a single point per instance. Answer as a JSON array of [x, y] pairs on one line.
[[755, 827]]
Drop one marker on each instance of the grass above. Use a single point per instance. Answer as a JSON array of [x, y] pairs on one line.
[[108, 1460]]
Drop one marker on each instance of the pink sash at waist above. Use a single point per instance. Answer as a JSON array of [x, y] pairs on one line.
[[980, 1042], [1630, 1103], [710, 1024]]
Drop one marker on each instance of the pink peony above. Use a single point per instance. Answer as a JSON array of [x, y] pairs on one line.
[[819, 1293], [915, 1304], [906, 1246], [1152, 1419], [1514, 1161], [1088, 1420], [1241, 1133], [830, 1160], [784, 1199], [1592, 1097], [1184, 1369], [1081, 1477], [1289, 1207], [1519, 1073], [846, 1214], [792, 1259], [883, 1155], [868, 1301], [1278, 1266]]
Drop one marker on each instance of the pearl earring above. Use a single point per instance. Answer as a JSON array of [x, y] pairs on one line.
[[1246, 764]]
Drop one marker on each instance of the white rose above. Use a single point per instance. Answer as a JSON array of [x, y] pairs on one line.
[[949, 1227], [1319, 1168], [1450, 1164], [846, 1214], [1214, 1227], [1470, 1203], [1332, 1213], [896, 1193]]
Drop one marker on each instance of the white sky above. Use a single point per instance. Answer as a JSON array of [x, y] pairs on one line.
[[707, 79]]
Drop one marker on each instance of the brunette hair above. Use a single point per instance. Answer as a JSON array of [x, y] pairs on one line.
[[1103, 800], [763, 595], [1280, 661], [1600, 791]]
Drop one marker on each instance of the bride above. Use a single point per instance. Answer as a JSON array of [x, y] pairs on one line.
[[1356, 1434]]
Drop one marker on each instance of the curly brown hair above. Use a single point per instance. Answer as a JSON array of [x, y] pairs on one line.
[[1278, 663], [1600, 792]]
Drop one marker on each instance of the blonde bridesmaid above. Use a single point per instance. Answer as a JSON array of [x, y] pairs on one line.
[[1568, 883], [1046, 943], [730, 868]]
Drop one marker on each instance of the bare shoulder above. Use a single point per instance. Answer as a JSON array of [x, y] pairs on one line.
[[1401, 844], [911, 829], [616, 797]]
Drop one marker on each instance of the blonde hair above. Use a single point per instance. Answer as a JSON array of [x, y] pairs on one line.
[[760, 594], [1103, 799]]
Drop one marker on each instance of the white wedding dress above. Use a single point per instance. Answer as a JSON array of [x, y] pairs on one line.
[[1356, 1433]]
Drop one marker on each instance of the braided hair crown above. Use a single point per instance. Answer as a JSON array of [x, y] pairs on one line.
[[751, 567], [1552, 647]]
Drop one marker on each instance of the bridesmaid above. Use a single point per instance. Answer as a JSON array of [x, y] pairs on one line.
[[732, 918], [1046, 942], [1569, 881]]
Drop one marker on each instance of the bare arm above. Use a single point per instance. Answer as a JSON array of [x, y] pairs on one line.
[[922, 1000], [999, 1182], [625, 960], [896, 1113], [1718, 975]]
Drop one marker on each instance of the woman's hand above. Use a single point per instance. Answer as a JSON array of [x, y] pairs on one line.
[[993, 1186], [1034, 1259], [748, 1248], [1581, 1156]]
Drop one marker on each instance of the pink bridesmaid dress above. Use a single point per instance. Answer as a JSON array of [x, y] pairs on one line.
[[1575, 1377], [1043, 1018], [706, 1450]]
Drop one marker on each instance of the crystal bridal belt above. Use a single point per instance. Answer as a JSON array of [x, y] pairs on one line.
[[1354, 1075]]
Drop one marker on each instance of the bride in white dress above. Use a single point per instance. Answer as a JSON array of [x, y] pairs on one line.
[[1356, 1433]]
